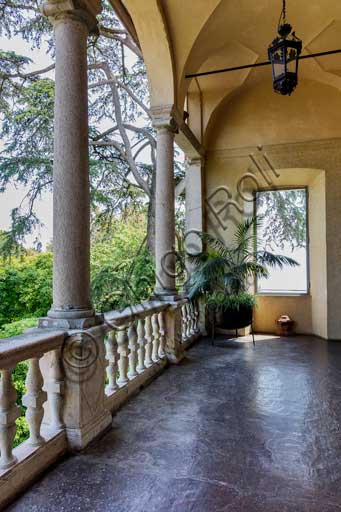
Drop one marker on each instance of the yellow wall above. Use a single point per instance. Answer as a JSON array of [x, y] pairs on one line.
[[296, 133], [257, 115], [270, 308], [318, 255]]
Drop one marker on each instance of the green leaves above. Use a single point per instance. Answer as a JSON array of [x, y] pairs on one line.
[[234, 302], [275, 260], [285, 212], [25, 287], [122, 270], [227, 268]]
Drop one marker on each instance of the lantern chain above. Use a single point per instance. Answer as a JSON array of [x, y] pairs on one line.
[[283, 17]]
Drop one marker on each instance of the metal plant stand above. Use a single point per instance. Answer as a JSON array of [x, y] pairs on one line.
[[213, 326]]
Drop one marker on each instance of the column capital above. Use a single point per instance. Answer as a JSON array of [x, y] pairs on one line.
[[165, 117], [84, 11], [196, 160]]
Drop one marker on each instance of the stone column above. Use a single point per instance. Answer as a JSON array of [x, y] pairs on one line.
[[164, 206], [71, 307], [194, 207], [195, 223]]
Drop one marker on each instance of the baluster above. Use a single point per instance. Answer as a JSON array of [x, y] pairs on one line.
[[149, 338], [123, 350], [189, 319], [9, 412], [162, 325], [188, 325], [191, 309], [141, 340], [197, 313], [184, 322], [33, 400], [156, 338], [132, 335], [112, 357], [55, 390]]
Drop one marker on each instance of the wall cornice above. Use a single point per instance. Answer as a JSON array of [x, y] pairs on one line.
[[293, 148], [324, 154]]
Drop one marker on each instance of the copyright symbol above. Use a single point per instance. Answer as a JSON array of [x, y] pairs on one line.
[[79, 355]]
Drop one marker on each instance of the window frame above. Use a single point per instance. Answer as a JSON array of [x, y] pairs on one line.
[[287, 293]]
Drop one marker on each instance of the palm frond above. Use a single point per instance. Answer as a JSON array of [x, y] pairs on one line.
[[245, 236], [275, 260], [244, 228], [216, 244], [228, 268]]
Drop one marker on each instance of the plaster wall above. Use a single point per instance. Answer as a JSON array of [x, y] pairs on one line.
[[295, 134], [318, 255]]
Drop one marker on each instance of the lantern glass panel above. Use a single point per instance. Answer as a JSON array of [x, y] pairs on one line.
[[278, 62], [292, 56]]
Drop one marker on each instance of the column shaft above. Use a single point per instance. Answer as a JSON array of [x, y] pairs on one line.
[[194, 205], [71, 197], [165, 214]]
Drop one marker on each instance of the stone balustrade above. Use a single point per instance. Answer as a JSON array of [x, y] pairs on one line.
[[76, 380], [135, 349], [190, 322], [46, 443]]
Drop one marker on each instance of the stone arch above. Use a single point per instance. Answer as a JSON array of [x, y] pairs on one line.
[[152, 31]]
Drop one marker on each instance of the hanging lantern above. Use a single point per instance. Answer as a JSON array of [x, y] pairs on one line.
[[284, 55]]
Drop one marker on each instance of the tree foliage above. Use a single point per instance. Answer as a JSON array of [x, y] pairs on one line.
[[284, 215], [25, 287], [122, 269], [122, 140], [122, 273]]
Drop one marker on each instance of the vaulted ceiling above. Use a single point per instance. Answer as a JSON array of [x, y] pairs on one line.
[[179, 37]]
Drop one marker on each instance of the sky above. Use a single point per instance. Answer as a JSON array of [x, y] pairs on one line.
[[14, 194]]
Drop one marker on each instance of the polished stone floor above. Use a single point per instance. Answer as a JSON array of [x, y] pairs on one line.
[[231, 429]]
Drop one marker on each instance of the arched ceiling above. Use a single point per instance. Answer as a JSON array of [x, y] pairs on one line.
[[152, 31], [180, 37]]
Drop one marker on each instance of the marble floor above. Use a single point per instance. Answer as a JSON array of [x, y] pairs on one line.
[[231, 429]]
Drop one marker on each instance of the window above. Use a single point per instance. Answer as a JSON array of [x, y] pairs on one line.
[[283, 230]]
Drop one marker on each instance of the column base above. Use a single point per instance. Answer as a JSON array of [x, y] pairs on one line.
[[77, 319], [165, 295]]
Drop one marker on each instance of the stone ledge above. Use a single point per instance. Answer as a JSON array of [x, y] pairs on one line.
[[32, 462], [33, 342], [114, 401], [192, 339]]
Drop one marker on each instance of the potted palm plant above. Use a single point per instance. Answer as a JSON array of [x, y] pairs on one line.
[[222, 274]]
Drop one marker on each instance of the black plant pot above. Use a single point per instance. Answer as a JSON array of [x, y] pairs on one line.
[[230, 318]]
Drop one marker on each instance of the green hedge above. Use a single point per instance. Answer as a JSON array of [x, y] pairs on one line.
[[19, 375], [18, 327], [25, 287]]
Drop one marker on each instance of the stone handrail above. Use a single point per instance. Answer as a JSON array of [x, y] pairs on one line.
[[35, 341], [133, 312]]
